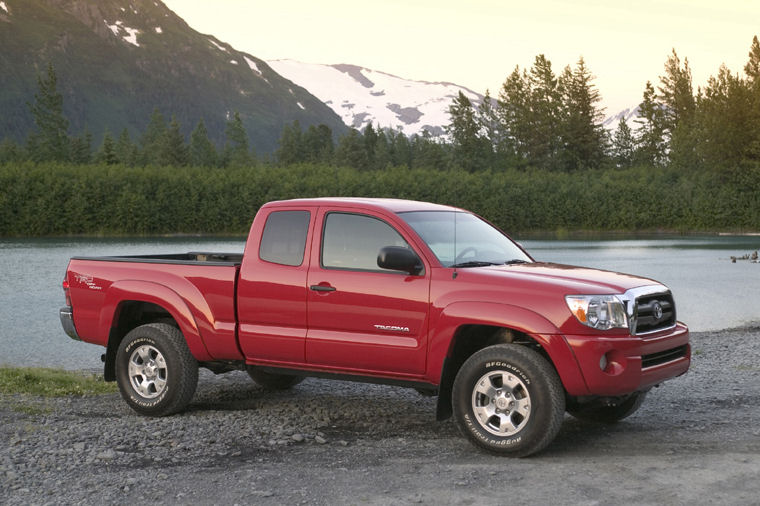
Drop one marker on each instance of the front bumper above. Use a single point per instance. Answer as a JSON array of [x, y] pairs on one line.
[[67, 321], [614, 366]]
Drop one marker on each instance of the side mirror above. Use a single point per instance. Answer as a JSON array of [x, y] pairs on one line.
[[398, 258]]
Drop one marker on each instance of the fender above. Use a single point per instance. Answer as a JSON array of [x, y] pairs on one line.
[[517, 318], [148, 291]]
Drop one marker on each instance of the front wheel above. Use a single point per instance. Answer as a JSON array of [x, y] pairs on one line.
[[508, 399], [155, 371]]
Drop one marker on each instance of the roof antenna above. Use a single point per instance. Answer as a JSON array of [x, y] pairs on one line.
[[454, 274]]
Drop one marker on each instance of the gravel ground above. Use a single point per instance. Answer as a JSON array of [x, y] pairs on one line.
[[696, 440]]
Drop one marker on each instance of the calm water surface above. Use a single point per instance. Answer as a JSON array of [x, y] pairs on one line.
[[711, 292]]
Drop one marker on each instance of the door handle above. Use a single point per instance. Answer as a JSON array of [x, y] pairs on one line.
[[322, 288]]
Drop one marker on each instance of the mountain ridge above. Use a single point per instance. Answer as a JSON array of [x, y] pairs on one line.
[[117, 60]]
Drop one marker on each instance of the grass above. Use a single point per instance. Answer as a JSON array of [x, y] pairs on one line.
[[51, 382]]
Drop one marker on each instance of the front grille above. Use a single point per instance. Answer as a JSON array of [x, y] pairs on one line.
[[663, 357], [655, 312]]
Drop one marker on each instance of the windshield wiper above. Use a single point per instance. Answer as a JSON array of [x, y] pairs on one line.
[[476, 263], [515, 262]]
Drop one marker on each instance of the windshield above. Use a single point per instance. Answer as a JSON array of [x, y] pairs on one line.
[[477, 242]]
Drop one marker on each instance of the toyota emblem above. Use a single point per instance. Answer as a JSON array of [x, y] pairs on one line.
[[657, 310]]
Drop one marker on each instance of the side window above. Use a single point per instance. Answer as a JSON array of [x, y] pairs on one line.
[[284, 238], [352, 241]]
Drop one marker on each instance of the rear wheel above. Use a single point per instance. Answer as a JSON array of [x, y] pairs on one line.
[[606, 412], [155, 371], [273, 381], [508, 399]]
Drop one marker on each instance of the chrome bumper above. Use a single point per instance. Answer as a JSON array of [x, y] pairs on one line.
[[67, 321]]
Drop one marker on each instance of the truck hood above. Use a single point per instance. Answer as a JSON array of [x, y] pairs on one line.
[[565, 278]]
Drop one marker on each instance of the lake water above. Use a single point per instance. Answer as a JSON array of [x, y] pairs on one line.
[[711, 292]]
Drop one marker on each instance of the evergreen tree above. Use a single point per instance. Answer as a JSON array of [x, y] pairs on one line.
[[174, 152], [678, 106], [10, 151], [81, 148], [726, 134], [202, 150], [490, 127], [650, 142], [351, 151], [514, 113], [107, 152], [544, 139], [370, 143], [623, 145], [427, 153], [126, 151], [50, 140], [317, 144], [236, 152], [582, 132], [752, 71], [291, 148], [468, 148], [153, 139]]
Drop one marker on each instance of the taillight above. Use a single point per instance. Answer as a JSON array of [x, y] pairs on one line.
[[66, 292]]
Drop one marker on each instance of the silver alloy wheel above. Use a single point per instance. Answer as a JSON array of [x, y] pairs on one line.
[[147, 371], [501, 403]]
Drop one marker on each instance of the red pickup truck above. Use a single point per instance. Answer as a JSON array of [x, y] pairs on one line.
[[391, 291]]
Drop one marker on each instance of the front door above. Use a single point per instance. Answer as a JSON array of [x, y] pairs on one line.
[[362, 318]]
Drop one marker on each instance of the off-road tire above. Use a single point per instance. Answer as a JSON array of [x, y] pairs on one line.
[[508, 400], [156, 373], [273, 381], [597, 411]]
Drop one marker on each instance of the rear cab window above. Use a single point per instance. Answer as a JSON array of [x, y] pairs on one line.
[[284, 238]]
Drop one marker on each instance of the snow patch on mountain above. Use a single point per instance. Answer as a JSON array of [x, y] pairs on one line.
[[159, 30], [360, 96], [218, 46], [252, 65], [4, 7], [126, 33]]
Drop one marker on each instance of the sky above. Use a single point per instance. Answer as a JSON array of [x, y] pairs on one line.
[[478, 43]]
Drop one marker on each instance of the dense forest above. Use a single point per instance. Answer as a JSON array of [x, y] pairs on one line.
[[535, 158]]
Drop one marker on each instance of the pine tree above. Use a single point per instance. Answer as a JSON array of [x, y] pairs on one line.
[[650, 142], [351, 151], [752, 71], [725, 135], [678, 107], [202, 150], [582, 132], [544, 123], [153, 139], [126, 151], [107, 153], [490, 127], [291, 149], [370, 143], [514, 113], [50, 141], [81, 148], [174, 151], [317, 144], [10, 151], [236, 152], [623, 145], [468, 148]]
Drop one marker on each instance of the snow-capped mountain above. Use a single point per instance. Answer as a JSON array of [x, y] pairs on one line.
[[628, 115], [360, 96]]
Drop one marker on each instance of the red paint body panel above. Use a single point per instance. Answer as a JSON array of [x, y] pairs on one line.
[[378, 324]]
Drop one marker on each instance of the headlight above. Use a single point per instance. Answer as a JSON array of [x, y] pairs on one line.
[[601, 312]]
